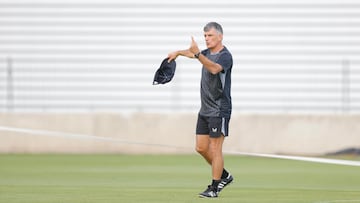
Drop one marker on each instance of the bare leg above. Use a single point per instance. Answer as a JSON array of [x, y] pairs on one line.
[[202, 147], [211, 150], [217, 163]]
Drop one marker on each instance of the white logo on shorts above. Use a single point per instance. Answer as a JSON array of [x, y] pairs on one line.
[[214, 130]]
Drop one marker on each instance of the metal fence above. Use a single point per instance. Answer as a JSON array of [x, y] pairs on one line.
[[298, 56]]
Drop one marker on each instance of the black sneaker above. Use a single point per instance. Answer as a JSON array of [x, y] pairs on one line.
[[224, 182], [210, 192]]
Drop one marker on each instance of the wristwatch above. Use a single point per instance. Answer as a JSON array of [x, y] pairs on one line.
[[197, 55]]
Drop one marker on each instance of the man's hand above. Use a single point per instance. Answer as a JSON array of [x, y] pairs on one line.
[[172, 56], [194, 47]]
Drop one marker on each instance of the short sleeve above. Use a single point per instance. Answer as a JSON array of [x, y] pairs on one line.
[[225, 60]]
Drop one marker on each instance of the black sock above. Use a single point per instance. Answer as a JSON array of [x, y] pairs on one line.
[[225, 174], [215, 183]]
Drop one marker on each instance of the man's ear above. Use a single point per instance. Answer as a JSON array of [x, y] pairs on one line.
[[220, 37]]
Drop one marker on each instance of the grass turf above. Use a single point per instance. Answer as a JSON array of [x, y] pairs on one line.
[[170, 178]]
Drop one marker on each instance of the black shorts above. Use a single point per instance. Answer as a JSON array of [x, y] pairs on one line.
[[212, 126]]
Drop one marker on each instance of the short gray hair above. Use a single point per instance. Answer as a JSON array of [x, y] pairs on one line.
[[214, 25]]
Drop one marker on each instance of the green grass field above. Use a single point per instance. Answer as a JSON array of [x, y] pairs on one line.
[[170, 178]]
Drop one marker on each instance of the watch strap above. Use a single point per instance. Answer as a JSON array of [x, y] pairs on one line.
[[197, 55]]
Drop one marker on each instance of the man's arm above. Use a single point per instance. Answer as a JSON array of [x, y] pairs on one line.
[[175, 54], [212, 67]]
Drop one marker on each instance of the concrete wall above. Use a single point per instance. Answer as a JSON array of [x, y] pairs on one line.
[[166, 133]]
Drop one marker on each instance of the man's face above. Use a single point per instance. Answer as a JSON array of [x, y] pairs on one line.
[[212, 38]]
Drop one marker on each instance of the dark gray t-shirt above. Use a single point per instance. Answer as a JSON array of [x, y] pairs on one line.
[[216, 89]]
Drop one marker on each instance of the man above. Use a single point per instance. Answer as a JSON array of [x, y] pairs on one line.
[[214, 115]]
